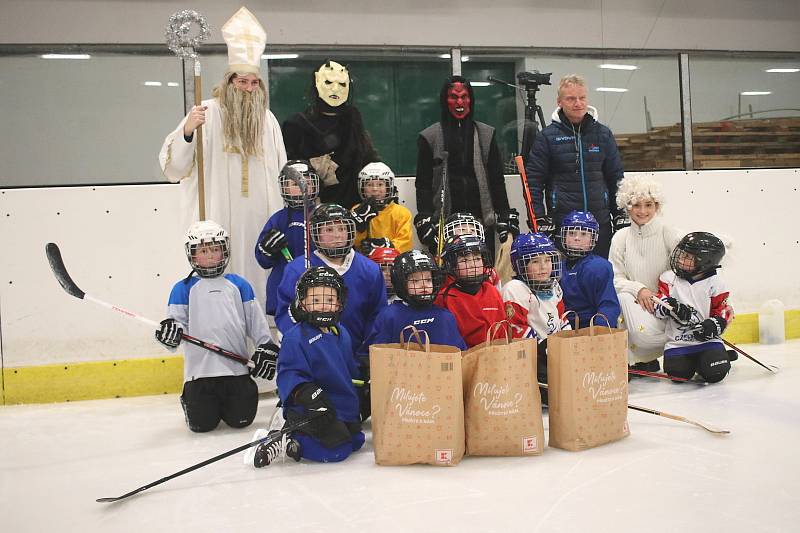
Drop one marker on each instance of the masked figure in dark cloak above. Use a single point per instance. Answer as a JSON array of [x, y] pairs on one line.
[[330, 134], [475, 181]]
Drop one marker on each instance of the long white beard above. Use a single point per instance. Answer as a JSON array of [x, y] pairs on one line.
[[242, 118]]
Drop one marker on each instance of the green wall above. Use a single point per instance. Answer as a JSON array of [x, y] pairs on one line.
[[398, 99]]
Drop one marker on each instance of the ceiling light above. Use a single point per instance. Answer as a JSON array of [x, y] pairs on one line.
[[152, 84], [479, 83], [444, 56], [65, 56], [614, 66], [782, 70], [755, 93], [173, 84], [611, 90], [280, 56]]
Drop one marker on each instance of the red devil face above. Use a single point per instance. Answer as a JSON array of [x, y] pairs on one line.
[[458, 101]]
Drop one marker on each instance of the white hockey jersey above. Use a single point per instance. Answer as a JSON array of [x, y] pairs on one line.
[[708, 296], [532, 315]]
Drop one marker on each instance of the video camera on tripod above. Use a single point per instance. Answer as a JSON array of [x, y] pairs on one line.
[[533, 79]]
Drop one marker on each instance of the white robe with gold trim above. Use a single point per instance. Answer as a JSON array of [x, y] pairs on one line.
[[243, 214]]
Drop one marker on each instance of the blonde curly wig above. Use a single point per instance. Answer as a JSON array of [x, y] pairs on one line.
[[634, 189]]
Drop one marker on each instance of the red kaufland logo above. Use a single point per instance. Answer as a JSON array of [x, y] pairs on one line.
[[529, 444], [444, 456]]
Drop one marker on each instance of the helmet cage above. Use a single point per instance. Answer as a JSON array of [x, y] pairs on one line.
[[463, 224], [521, 268], [292, 172]]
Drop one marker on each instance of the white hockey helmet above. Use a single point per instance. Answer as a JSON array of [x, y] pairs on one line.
[[376, 171], [202, 233]]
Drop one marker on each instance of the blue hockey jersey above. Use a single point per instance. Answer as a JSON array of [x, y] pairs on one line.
[[366, 293], [588, 287], [438, 322], [289, 221], [309, 355]]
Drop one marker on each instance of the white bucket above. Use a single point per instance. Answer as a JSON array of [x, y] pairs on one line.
[[771, 326]]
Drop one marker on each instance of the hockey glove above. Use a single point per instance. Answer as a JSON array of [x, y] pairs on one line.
[[619, 222], [170, 333], [326, 428], [545, 225], [273, 242], [367, 245], [364, 212], [680, 313], [508, 223], [266, 360], [426, 229], [710, 328]]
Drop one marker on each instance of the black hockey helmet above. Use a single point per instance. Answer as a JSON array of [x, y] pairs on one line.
[[461, 245], [416, 261], [321, 276], [297, 172], [706, 248], [324, 219]]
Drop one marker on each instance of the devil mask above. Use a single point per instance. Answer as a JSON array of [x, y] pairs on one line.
[[459, 103], [333, 83]]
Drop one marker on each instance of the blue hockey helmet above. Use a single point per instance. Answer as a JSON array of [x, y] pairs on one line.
[[528, 246], [583, 227]]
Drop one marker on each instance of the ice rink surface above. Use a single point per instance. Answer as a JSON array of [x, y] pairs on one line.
[[667, 476]]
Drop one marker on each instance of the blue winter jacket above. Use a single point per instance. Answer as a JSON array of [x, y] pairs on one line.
[[574, 168]]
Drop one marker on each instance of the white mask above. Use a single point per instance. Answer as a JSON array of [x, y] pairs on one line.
[[333, 83]]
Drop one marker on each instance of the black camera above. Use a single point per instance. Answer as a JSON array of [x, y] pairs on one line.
[[534, 78]]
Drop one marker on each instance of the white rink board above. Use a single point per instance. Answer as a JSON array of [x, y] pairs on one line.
[[133, 254]]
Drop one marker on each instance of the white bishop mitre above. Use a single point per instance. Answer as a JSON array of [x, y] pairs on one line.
[[246, 40]]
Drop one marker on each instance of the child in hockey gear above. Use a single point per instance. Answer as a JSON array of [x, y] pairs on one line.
[[384, 258], [283, 236], [700, 311], [315, 376], [588, 279], [533, 299], [466, 224], [333, 232], [380, 220], [222, 309], [417, 280], [466, 293]]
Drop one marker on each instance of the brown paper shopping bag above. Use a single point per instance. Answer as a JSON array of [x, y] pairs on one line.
[[587, 376], [502, 405], [417, 403]]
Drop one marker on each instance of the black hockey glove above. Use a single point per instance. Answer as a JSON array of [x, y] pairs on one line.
[[364, 212], [426, 229], [508, 223], [619, 222], [266, 360], [680, 313], [273, 242], [545, 225], [170, 333], [325, 427], [710, 328], [367, 245]]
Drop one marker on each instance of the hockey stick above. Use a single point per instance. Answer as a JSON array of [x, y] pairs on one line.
[[526, 193], [297, 178], [289, 428], [707, 427], [658, 375], [771, 368], [442, 216], [63, 277]]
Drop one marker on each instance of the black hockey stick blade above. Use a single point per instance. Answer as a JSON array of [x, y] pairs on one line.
[[269, 438], [60, 271]]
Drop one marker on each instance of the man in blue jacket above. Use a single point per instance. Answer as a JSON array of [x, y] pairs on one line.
[[574, 164]]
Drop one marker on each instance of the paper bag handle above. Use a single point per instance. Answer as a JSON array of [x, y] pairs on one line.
[[591, 323], [490, 333], [577, 318], [415, 335]]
